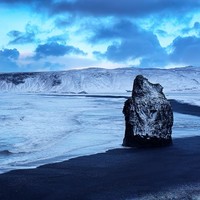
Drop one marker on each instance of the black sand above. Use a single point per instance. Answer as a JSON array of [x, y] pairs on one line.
[[185, 108], [117, 174]]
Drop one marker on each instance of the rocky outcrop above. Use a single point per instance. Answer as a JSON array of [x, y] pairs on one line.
[[148, 115]]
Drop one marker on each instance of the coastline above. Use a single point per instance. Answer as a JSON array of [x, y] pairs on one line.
[[128, 173]]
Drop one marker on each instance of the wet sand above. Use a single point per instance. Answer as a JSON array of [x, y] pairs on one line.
[[185, 108], [116, 174]]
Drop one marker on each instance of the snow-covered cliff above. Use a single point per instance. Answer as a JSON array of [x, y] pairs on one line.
[[96, 80]]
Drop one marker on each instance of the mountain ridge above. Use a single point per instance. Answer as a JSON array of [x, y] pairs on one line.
[[100, 80]]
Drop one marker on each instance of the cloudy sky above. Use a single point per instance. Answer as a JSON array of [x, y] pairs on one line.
[[41, 35]]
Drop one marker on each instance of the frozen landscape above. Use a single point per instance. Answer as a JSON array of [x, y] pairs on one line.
[[98, 80], [45, 119], [100, 100]]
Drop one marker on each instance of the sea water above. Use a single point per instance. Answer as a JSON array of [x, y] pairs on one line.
[[43, 128]]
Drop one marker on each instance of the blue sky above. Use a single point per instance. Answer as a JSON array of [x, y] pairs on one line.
[[66, 34]]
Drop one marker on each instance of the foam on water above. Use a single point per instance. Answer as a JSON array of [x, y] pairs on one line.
[[38, 129]]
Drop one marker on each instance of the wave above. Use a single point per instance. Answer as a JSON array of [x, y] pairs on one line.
[[6, 152]]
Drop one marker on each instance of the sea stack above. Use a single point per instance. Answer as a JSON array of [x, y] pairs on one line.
[[148, 116]]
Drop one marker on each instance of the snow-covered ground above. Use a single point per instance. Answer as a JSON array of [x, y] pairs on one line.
[[43, 128], [96, 80]]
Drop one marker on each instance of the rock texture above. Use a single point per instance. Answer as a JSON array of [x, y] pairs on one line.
[[148, 115]]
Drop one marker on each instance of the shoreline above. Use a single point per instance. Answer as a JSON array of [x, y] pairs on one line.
[[124, 173], [128, 173]]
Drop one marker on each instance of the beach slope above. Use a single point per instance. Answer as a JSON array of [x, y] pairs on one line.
[[127, 173]]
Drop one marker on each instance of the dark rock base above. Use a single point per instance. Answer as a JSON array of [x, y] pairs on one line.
[[146, 141]]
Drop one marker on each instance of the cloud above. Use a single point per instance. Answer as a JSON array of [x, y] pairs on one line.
[[65, 21], [136, 8], [29, 36], [58, 39], [56, 49], [161, 33], [132, 43], [118, 30], [42, 66], [8, 58], [194, 30], [7, 65], [111, 27], [9, 54], [197, 26], [186, 50], [14, 3]]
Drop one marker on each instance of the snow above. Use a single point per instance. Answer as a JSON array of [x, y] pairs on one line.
[[96, 80]]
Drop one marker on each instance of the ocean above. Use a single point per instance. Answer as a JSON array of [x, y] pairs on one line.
[[44, 128]]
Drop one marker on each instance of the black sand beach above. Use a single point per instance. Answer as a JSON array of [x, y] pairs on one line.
[[116, 174], [171, 172], [185, 108]]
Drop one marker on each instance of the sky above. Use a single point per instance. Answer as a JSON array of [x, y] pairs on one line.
[[53, 35]]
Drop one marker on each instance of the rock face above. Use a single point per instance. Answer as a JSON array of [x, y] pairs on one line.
[[148, 115]]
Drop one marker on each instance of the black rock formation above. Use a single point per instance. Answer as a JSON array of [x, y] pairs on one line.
[[148, 115]]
